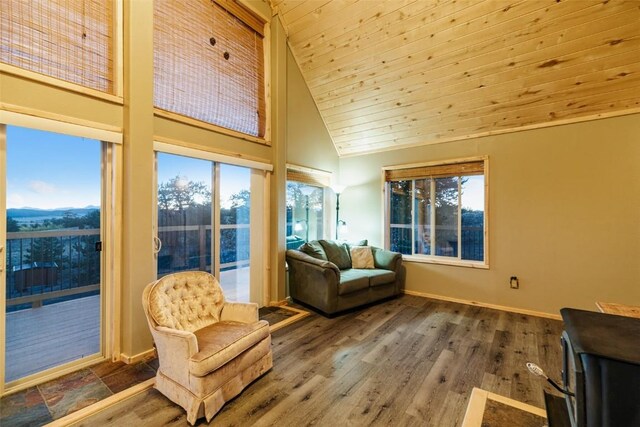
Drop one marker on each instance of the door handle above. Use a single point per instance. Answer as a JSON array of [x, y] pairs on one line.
[[157, 244]]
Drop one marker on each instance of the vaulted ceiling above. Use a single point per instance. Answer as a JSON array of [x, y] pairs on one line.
[[388, 74]]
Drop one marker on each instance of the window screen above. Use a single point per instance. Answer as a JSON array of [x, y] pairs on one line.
[[209, 65], [71, 40]]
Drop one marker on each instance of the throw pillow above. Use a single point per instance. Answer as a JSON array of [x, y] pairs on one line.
[[314, 249], [362, 257], [337, 253]]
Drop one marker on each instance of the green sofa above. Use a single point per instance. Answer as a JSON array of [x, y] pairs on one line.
[[321, 276]]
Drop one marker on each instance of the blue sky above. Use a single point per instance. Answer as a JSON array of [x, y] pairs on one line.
[[48, 170]]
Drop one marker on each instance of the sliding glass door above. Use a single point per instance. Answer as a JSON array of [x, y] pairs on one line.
[[204, 220], [52, 250]]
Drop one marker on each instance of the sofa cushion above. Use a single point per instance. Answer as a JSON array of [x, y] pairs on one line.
[[314, 249], [352, 280], [377, 277], [361, 257], [337, 253], [221, 342]]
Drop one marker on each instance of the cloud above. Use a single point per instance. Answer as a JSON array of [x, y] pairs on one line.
[[42, 187], [15, 200]]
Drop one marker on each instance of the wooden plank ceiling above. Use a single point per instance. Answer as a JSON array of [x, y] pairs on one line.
[[387, 74]]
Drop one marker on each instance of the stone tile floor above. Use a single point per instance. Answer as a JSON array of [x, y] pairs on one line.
[[54, 399]]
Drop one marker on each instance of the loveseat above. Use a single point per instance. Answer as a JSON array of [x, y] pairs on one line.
[[322, 275]]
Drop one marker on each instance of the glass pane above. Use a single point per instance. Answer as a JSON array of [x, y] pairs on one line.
[[400, 216], [422, 207], [52, 267], [447, 216], [235, 209], [184, 213], [305, 213], [473, 217]]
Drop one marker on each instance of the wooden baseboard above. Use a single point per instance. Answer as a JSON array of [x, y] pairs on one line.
[[148, 354], [486, 305], [300, 314], [82, 414], [476, 407]]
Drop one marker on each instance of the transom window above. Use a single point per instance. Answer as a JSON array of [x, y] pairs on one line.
[[436, 212]]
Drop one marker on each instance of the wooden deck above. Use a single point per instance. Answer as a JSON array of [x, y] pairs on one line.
[[48, 336]]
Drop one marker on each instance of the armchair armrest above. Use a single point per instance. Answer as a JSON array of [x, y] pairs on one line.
[[387, 260], [246, 312], [174, 348]]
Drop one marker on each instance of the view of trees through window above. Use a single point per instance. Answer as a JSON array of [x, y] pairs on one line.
[[199, 217], [305, 213], [423, 216]]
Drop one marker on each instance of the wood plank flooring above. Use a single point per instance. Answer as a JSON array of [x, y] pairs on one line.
[[409, 361]]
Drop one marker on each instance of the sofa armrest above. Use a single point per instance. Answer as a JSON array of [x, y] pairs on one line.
[[246, 312], [174, 349], [387, 260], [313, 281]]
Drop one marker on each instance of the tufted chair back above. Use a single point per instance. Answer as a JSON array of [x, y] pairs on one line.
[[187, 301]]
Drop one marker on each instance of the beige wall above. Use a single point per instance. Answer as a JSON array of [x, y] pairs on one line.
[[564, 215], [308, 142], [136, 120]]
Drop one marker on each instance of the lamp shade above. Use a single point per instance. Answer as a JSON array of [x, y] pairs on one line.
[[338, 188]]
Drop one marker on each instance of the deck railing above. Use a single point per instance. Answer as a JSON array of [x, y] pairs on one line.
[[55, 265]]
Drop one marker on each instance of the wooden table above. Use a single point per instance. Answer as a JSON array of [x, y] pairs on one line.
[[619, 309]]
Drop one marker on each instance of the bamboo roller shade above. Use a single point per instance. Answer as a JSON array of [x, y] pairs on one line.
[[308, 178], [71, 40], [192, 76], [453, 169]]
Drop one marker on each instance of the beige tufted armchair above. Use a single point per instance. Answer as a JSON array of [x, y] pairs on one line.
[[209, 350]]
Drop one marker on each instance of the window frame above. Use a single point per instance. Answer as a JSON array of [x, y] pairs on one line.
[[110, 221], [261, 172], [437, 259], [319, 179]]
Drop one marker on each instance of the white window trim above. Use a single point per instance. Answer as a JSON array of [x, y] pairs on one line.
[[437, 259]]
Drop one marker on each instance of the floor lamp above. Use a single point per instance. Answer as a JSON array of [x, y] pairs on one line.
[[337, 188], [307, 191]]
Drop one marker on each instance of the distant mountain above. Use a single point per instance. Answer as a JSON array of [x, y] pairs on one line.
[[58, 212]]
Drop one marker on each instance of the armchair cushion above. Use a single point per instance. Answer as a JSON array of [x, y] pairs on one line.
[[186, 302], [337, 253], [223, 341]]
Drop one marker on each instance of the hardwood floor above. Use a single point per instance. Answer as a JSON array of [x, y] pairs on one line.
[[409, 361]]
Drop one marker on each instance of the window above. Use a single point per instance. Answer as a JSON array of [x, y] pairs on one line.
[[209, 64], [436, 212], [305, 206], [68, 40]]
